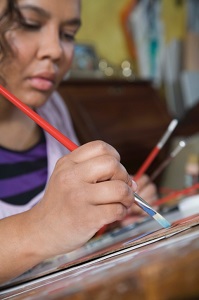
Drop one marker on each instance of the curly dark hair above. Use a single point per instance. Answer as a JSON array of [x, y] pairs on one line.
[[8, 17]]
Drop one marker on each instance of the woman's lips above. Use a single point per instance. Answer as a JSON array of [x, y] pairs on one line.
[[41, 83]]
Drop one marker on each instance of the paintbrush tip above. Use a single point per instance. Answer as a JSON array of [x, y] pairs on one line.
[[161, 220], [173, 124]]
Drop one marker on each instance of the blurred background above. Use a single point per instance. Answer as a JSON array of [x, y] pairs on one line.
[[147, 39], [136, 67]]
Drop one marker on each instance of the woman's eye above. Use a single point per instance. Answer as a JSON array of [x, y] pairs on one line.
[[30, 25], [68, 37]]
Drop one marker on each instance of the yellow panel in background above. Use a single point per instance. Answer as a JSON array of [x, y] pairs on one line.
[[174, 18], [101, 27]]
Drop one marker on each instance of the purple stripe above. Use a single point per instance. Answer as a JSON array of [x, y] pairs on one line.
[[21, 184], [10, 157]]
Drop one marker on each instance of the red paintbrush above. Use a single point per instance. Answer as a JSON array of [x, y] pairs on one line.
[[156, 149], [175, 194]]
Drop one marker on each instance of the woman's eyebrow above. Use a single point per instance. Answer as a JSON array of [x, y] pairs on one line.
[[44, 13], [38, 10], [74, 21]]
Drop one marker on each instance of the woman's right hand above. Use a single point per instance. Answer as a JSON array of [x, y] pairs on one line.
[[88, 189]]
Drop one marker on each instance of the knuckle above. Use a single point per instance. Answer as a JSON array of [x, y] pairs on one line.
[[122, 190], [101, 146], [113, 163], [59, 162], [120, 212], [104, 148]]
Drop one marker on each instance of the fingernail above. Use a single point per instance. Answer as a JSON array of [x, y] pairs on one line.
[[134, 185]]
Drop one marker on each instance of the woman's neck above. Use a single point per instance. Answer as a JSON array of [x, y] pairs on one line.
[[17, 131]]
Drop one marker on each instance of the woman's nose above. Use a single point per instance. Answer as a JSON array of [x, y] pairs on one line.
[[51, 46]]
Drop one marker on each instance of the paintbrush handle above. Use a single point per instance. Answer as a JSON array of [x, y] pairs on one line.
[[141, 202], [147, 163], [166, 162], [162, 166], [176, 194], [156, 149], [39, 120]]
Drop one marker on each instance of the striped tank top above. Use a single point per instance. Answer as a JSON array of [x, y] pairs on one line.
[[23, 174]]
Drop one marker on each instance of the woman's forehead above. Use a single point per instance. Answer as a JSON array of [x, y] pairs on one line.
[[62, 8], [46, 3]]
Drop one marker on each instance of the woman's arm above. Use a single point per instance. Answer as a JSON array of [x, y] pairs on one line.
[[20, 247]]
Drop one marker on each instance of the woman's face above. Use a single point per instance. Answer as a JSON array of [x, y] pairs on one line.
[[43, 48]]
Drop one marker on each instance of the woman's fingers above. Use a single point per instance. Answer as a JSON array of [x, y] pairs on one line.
[[147, 189], [114, 191], [102, 168], [106, 214], [91, 150]]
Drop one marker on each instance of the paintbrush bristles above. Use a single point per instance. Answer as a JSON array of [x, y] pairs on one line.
[[151, 211], [161, 220]]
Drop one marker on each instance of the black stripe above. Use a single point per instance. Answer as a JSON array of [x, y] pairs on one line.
[[14, 170], [24, 198]]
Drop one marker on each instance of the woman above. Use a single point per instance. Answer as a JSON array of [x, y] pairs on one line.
[[52, 201]]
